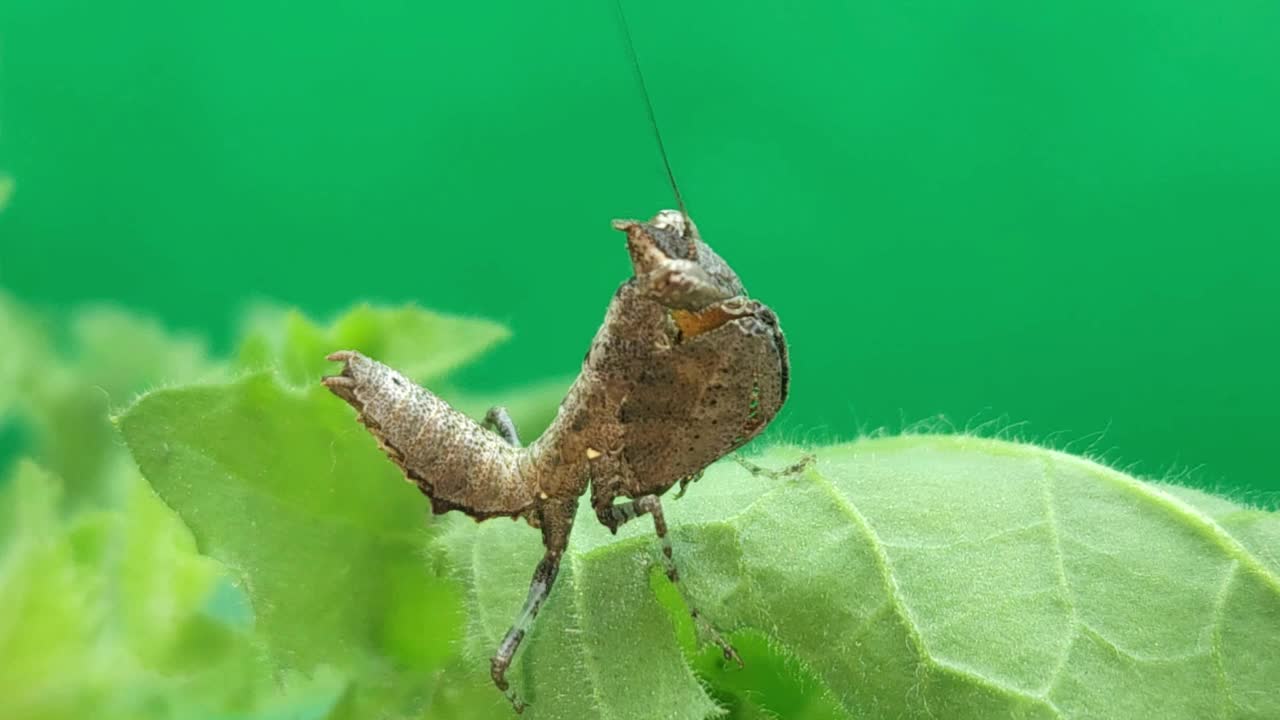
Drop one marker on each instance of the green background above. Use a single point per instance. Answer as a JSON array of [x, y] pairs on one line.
[[1064, 215]]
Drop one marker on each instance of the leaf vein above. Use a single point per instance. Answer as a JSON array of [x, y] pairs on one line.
[[1203, 523], [896, 599], [1060, 568]]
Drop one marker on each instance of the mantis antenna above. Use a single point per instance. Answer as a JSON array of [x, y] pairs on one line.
[[630, 46]]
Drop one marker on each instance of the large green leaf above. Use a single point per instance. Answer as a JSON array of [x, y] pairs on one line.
[[1254, 528], [930, 577]]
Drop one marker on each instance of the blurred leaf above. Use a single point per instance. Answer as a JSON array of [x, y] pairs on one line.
[[371, 607], [422, 344], [285, 487], [909, 577], [124, 354], [6, 191], [95, 611], [25, 340], [315, 698], [159, 579], [114, 356], [63, 388], [48, 617]]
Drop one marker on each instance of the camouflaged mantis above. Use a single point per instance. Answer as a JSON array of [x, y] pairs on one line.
[[685, 369]]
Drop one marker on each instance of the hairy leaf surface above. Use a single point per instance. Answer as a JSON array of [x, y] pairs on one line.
[[911, 577], [286, 489]]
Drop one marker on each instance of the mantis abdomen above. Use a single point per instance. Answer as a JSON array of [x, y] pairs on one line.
[[453, 460]]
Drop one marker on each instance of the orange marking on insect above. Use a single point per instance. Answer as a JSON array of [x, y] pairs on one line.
[[692, 324]]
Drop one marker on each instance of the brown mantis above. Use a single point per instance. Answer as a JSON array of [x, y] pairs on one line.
[[685, 369]]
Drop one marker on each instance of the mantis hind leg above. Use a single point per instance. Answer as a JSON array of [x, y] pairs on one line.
[[686, 481], [544, 576], [789, 471], [557, 523], [613, 516], [499, 421]]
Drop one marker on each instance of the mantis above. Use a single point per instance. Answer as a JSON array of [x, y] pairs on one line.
[[685, 369]]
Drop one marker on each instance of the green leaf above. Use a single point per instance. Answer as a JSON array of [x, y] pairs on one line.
[[423, 345], [1257, 530], [286, 488], [909, 577]]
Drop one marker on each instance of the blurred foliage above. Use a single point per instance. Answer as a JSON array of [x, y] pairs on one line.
[[339, 615], [273, 564], [109, 613], [422, 345], [60, 381]]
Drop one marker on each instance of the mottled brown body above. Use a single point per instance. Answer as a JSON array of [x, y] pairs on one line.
[[454, 461], [684, 370]]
